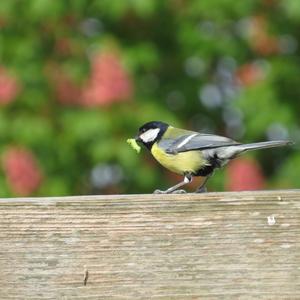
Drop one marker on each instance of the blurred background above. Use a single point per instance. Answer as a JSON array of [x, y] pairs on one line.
[[77, 78]]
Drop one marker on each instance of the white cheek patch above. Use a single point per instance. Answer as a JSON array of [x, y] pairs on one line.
[[150, 135]]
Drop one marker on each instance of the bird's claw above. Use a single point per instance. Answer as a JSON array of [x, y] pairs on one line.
[[179, 192], [159, 192], [171, 192]]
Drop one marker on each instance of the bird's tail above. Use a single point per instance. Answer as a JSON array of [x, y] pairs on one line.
[[234, 150], [262, 145]]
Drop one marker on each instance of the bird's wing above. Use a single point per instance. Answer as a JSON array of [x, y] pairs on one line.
[[195, 141]]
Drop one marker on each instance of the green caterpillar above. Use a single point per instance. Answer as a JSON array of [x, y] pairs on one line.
[[134, 145]]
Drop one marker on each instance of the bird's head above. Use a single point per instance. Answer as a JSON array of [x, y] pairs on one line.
[[151, 132]]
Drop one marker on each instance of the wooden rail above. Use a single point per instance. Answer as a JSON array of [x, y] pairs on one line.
[[209, 246]]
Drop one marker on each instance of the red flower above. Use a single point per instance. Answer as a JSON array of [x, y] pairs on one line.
[[109, 82], [244, 174], [22, 171], [9, 87]]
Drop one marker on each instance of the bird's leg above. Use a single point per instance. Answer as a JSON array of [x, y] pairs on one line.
[[202, 187], [174, 189]]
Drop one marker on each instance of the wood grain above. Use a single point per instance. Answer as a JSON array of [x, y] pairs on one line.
[[210, 246]]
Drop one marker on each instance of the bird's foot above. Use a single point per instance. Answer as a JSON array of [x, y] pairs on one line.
[[169, 192], [159, 192], [179, 192]]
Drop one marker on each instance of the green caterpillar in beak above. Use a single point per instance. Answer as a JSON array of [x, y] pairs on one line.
[[134, 145]]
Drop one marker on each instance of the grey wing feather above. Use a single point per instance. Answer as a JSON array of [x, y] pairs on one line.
[[197, 141], [166, 144]]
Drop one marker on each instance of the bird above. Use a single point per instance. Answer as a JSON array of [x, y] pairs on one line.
[[190, 153]]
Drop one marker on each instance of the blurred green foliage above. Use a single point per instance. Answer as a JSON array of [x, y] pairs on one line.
[[228, 67]]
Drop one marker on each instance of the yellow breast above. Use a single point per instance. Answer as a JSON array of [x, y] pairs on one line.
[[179, 163]]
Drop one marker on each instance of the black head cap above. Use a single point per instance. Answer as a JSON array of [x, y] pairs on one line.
[[152, 125]]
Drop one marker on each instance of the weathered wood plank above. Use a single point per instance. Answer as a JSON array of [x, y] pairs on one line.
[[210, 246]]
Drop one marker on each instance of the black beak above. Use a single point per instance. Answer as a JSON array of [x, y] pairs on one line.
[[137, 138]]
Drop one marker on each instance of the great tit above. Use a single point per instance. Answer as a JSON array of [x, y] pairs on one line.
[[191, 153]]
